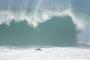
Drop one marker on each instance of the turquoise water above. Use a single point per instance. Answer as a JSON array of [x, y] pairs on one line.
[[59, 31], [38, 23]]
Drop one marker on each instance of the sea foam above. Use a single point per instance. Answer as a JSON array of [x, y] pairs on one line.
[[34, 19], [52, 53]]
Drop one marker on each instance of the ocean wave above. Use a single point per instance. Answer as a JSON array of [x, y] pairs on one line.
[[15, 12]]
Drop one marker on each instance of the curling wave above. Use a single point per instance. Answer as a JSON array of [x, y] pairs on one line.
[[34, 19]]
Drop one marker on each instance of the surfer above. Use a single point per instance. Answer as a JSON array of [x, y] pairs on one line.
[[38, 49]]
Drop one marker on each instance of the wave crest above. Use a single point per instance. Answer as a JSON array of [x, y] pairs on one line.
[[33, 19]]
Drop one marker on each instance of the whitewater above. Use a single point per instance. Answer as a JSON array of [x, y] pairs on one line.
[[34, 18], [54, 53]]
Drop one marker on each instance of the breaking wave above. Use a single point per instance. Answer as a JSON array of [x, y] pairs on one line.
[[34, 19], [17, 11]]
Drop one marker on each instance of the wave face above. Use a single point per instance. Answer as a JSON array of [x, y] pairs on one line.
[[53, 32], [44, 23]]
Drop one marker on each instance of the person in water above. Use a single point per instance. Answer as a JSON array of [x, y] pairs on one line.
[[38, 49]]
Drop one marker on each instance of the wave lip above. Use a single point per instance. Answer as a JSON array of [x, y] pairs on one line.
[[34, 19]]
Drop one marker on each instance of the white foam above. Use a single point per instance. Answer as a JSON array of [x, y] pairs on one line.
[[84, 36], [34, 19], [45, 54], [79, 22]]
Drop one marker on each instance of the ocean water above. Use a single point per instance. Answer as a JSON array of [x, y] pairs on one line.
[[48, 24]]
